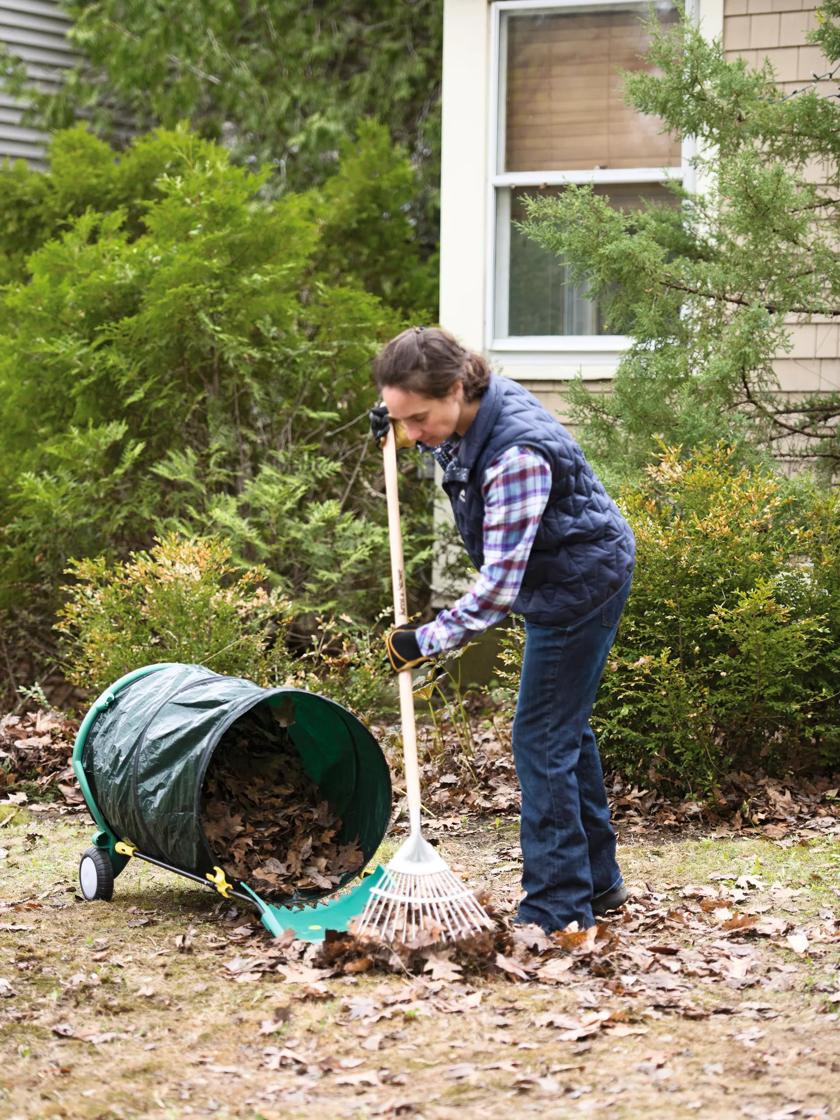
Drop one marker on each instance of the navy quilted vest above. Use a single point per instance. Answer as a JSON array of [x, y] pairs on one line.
[[584, 549]]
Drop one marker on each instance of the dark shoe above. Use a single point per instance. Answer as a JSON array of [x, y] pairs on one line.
[[610, 900]]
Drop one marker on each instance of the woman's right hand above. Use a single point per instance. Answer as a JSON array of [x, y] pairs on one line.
[[380, 423]]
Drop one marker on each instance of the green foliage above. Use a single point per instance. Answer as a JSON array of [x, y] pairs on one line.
[[729, 650], [85, 174], [277, 82], [188, 600], [184, 601], [827, 32], [181, 353], [710, 286], [368, 232]]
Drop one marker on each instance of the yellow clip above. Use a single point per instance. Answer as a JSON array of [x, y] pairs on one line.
[[217, 878], [125, 848]]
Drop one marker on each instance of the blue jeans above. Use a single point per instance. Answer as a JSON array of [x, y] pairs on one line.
[[568, 845]]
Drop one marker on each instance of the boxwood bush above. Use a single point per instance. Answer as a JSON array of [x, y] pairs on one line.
[[728, 654]]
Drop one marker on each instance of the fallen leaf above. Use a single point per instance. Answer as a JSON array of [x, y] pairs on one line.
[[556, 970], [459, 1072], [441, 967], [771, 927], [798, 942], [302, 974], [741, 921], [506, 964], [364, 1077]]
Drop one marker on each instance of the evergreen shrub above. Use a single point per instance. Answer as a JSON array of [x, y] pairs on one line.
[[182, 600], [188, 600], [728, 655], [182, 352]]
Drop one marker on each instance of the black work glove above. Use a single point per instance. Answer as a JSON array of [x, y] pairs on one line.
[[380, 422], [403, 649]]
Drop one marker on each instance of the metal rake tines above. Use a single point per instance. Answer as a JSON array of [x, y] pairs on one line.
[[403, 905]]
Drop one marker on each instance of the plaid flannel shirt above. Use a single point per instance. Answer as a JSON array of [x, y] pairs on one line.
[[515, 487]]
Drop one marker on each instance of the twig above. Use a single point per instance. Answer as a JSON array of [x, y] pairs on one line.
[[742, 302]]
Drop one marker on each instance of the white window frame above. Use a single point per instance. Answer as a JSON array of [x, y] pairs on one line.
[[608, 347]]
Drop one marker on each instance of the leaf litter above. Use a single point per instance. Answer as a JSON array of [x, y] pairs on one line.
[[730, 949], [528, 1016], [36, 747]]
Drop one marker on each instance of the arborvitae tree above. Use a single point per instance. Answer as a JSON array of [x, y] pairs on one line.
[[179, 352]]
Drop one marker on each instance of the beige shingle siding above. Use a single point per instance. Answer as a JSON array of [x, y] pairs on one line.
[[777, 30], [774, 29], [35, 31]]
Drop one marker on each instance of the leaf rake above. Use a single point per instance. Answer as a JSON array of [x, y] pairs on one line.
[[418, 895]]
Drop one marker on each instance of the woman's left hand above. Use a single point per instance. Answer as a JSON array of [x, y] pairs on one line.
[[403, 648]]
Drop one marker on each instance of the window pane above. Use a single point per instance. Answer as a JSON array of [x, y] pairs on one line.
[[564, 107], [540, 298]]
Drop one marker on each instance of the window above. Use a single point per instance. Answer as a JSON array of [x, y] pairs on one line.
[[561, 118]]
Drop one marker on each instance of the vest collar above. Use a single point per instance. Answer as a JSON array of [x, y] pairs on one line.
[[482, 426]]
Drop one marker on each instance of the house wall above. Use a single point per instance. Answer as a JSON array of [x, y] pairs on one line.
[[776, 30], [464, 144], [35, 31], [751, 29]]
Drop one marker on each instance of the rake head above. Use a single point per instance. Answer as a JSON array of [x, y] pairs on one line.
[[418, 894]]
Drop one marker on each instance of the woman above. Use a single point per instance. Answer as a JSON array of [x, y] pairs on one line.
[[551, 545]]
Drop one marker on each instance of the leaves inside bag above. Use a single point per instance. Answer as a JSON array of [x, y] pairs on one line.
[[265, 820]]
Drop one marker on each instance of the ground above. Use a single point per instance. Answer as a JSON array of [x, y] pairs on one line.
[[715, 993]]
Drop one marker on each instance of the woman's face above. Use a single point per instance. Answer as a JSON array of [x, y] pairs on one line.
[[430, 420]]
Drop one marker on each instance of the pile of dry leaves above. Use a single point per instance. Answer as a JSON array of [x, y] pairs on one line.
[[743, 804], [35, 750], [264, 818]]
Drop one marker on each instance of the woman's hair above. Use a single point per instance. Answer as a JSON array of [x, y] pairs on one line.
[[430, 361]]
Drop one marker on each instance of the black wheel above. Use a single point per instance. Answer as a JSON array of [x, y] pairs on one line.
[[96, 875]]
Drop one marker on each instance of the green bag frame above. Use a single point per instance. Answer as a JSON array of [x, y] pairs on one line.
[[311, 922]]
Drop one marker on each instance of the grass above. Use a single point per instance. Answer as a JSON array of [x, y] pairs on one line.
[[811, 866], [124, 1010]]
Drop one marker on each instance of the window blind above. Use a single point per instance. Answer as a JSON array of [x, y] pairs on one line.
[[564, 103]]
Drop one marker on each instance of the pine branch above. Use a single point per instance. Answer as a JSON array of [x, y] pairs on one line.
[[741, 301]]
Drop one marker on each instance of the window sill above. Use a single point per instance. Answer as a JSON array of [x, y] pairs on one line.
[[605, 344]]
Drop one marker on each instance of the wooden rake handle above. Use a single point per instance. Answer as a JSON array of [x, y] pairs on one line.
[[409, 731]]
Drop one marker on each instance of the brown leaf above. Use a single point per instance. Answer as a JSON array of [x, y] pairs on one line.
[[532, 937], [741, 921], [302, 974], [771, 927], [360, 964], [441, 967], [775, 831], [556, 970], [506, 964]]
